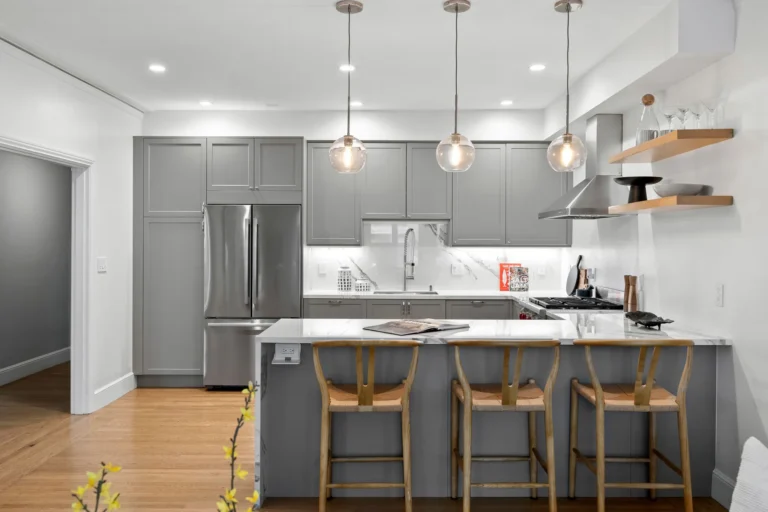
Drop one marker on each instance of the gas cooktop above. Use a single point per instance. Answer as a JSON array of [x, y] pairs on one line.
[[574, 303]]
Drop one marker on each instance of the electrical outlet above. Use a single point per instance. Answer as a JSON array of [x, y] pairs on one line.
[[321, 269], [719, 295], [101, 265], [457, 270], [287, 353], [541, 271]]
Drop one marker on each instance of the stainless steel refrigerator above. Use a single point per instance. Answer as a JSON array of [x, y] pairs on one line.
[[252, 278]]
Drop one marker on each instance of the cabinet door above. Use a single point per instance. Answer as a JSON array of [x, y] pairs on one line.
[[421, 309], [478, 309], [382, 182], [278, 164], [532, 186], [334, 308], [174, 177], [389, 309], [173, 297], [478, 199], [230, 164], [430, 189], [333, 206]]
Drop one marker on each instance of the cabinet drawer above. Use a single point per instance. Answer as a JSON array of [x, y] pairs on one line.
[[334, 308], [478, 309]]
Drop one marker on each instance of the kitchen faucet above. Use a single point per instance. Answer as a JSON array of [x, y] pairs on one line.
[[407, 265]]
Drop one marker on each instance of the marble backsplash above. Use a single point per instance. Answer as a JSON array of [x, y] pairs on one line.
[[445, 268]]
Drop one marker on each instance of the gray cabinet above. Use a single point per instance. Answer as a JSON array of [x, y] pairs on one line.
[[333, 201], [532, 186], [278, 164], [382, 182], [477, 309], [421, 309], [479, 199], [173, 297], [230, 164], [430, 189], [174, 177], [391, 308], [415, 309], [334, 308]]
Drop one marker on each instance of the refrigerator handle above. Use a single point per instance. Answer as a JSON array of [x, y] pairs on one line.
[[246, 237], [255, 265]]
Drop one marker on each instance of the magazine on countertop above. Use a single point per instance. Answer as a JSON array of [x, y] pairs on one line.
[[406, 327]]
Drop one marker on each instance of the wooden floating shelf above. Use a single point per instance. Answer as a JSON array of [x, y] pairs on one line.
[[671, 204], [669, 145]]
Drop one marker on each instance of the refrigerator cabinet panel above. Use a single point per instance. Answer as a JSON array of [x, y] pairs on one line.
[[227, 273], [276, 261], [230, 351]]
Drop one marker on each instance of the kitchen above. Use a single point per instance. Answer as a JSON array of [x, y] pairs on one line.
[[242, 245]]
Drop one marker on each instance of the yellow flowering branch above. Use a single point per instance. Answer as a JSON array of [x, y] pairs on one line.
[[97, 482], [228, 502]]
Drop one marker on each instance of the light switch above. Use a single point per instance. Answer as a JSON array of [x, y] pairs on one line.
[[101, 265], [321, 269], [541, 271], [456, 270]]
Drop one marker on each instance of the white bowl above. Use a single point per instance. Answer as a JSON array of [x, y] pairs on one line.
[[669, 188]]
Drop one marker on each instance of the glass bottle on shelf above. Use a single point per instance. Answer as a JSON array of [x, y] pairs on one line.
[[648, 128]]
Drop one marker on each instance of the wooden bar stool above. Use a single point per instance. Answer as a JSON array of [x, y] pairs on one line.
[[365, 396], [638, 397], [503, 397]]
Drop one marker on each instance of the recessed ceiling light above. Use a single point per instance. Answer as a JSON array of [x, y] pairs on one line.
[[157, 68], [355, 103], [205, 103], [507, 103], [346, 68], [537, 67]]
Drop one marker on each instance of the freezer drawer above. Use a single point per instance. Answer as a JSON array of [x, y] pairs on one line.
[[230, 351]]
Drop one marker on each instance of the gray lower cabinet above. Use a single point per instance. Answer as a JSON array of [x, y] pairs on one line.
[[421, 309], [230, 164], [477, 309], [532, 186], [382, 182], [333, 201], [173, 176], [388, 308], [479, 199], [430, 189], [334, 308], [414, 309], [172, 341]]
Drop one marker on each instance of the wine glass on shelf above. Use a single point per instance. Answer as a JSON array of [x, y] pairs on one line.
[[694, 116], [711, 110], [670, 113], [682, 115]]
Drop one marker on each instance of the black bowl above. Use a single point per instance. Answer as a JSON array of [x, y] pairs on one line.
[[637, 186]]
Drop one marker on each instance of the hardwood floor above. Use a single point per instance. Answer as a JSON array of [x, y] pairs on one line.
[[169, 444]]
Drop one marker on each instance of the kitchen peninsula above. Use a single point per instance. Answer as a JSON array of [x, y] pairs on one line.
[[288, 428]]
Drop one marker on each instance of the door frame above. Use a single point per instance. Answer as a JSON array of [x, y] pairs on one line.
[[81, 168]]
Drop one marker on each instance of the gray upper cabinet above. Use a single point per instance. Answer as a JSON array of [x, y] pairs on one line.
[[532, 186], [278, 164], [174, 177], [333, 201], [230, 164], [334, 308], [479, 199], [477, 309], [430, 189], [382, 182], [173, 297]]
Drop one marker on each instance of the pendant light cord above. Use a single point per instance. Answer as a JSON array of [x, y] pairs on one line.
[[456, 77], [349, 65], [568, 71]]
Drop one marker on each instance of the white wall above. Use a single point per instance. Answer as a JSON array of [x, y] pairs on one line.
[[683, 255], [485, 125], [45, 107]]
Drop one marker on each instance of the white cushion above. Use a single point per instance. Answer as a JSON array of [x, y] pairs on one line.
[[751, 493]]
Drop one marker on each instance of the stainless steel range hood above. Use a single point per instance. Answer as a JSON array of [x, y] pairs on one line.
[[591, 198]]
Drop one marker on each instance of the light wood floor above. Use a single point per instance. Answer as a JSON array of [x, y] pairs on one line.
[[169, 444]]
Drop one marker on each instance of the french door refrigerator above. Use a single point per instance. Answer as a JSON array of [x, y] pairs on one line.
[[252, 278]]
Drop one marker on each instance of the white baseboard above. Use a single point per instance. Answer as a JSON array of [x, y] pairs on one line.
[[32, 366], [105, 395], [722, 488]]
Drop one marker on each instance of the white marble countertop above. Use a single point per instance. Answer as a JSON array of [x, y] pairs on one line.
[[571, 327]]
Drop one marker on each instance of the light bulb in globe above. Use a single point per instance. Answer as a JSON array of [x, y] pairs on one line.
[[455, 153], [348, 155], [566, 153]]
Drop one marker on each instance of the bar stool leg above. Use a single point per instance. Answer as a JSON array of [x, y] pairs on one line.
[[550, 435], [685, 460], [406, 417], [651, 455], [600, 460], [574, 434], [454, 443], [330, 453], [325, 424], [531, 445], [467, 456]]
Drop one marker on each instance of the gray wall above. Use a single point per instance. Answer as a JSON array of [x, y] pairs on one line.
[[35, 240]]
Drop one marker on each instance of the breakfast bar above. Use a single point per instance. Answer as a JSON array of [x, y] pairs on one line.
[[288, 427]]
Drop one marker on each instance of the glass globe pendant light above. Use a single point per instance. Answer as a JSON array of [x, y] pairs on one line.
[[567, 152], [456, 153], [348, 154]]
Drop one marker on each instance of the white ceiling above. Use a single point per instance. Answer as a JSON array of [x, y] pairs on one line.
[[249, 54]]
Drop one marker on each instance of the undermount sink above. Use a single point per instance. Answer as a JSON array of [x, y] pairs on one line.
[[400, 292]]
